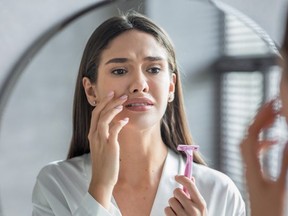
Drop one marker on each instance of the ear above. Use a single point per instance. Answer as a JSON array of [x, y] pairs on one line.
[[90, 92], [172, 83]]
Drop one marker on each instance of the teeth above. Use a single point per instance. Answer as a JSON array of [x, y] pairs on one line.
[[137, 104]]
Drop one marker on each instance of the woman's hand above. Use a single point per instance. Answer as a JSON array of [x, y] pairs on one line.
[[190, 204], [267, 196], [104, 147]]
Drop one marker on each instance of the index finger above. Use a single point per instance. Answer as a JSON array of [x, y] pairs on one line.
[[265, 117], [190, 185], [97, 110]]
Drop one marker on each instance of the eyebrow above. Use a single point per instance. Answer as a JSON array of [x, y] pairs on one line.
[[153, 58], [122, 60], [117, 60]]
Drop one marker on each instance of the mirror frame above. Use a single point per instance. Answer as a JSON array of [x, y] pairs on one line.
[[17, 67]]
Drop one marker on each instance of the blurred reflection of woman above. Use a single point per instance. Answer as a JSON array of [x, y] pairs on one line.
[[267, 196]]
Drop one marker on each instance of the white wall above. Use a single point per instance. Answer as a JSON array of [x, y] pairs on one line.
[[269, 14]]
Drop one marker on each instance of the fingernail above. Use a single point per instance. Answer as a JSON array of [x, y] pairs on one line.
[[110, 94], [126, 119], [119, 107], [123, 97]]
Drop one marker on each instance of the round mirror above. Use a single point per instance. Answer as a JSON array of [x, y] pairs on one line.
[[211, 43]]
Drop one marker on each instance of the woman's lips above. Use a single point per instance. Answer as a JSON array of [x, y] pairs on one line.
[[138, 104]]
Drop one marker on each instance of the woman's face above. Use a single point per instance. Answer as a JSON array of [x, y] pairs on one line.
[[136, 65]]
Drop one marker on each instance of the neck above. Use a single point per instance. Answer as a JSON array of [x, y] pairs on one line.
[[142, 156]]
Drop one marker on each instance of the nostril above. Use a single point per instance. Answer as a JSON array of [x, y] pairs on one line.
[[139, 86]]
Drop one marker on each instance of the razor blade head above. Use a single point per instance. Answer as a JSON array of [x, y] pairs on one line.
[[187, 147]]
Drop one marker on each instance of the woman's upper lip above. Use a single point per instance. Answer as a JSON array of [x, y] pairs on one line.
[[138, 101]]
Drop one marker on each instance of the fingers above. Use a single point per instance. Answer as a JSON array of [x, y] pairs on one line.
[[183, 204], [104, 113], [263, 119], [190, 185], [105, 119], [195, 204], [103, 140], [187, 204], [264, 145], [97, 110], [251, 145], [249, 148], [114, 131], [176, 206], [169, 212]]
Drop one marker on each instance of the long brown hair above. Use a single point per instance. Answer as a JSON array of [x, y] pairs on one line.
[[174, 127]]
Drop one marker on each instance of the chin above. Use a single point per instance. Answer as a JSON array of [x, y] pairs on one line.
[[141, 123]]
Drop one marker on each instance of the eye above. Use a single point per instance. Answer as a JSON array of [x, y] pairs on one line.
[[119, 71], [154, 70]]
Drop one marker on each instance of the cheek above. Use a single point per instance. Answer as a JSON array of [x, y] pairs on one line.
[[162, 95], [160, 86], [105, 86]]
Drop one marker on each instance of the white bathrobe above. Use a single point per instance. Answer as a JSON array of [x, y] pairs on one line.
[[61, 189]]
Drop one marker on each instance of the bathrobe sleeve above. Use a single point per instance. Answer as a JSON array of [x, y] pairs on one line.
[[62, 195]]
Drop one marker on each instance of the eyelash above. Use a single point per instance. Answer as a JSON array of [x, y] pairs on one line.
[[153, 68], [121, 71], [116, 71]]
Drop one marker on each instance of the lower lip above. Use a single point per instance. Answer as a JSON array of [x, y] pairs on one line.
[[139, 108]]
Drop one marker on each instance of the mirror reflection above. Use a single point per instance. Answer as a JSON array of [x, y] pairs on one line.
[[215, 50]]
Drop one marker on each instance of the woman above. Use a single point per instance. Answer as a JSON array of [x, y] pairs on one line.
[[267, 196], [128, 121]]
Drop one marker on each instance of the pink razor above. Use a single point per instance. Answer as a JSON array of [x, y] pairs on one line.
[[188, 149]]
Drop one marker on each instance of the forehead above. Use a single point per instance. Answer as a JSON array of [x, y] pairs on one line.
[[134, 44]]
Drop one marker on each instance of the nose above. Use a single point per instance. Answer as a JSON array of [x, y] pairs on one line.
[[139, 83]]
